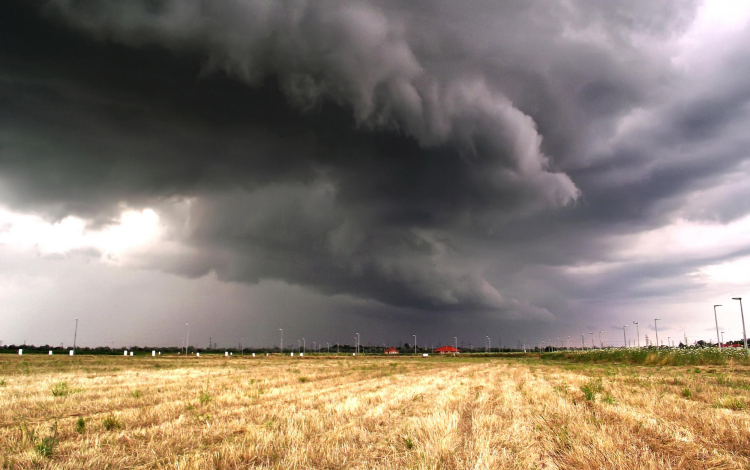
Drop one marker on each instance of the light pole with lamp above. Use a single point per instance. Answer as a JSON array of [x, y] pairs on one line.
[[656, 329], [716, 319], [601, 343], [637, 334], [415, 344], [624, 337], [281, 341], [75, 336], [744, 335]]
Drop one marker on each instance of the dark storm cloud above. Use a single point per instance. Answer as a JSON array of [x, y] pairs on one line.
[[417, 153]]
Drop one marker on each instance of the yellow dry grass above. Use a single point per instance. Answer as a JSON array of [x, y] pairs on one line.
[[377, 413]]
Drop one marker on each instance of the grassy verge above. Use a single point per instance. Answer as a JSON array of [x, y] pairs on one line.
[[654, 356]]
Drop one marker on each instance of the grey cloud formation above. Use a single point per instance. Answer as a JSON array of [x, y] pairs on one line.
[[430, 155]]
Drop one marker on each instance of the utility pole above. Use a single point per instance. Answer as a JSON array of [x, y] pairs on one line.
[[583, 341], [415, 344], [656, 329], [281, 342], [187, 341], [637, 334]]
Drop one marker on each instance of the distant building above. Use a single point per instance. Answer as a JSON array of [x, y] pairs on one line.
[[391, 351], [447, 350]]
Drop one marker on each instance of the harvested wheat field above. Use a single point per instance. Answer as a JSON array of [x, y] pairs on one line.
[[374, 413]]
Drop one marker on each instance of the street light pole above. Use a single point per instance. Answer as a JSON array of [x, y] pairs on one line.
[[592, 339], [415, 344], [716, 319], [601, 343], [583, 341], [637, 334], [357, 343], [656, 328], [722, 336], [281, 342], [75, 335], [187, 341], [455, 342], [624, 337], [744, 335], [566, 342]]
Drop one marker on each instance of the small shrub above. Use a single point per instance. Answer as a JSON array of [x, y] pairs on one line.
[[204, 397], [136, 394], [592, 387], [80, 425], [687, 393], [111, 422], [60, 389], [2, 382], [303, 379], [46, 446], [408, 443], [608, 399]]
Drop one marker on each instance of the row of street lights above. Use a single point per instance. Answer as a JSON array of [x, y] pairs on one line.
[[720, 339]]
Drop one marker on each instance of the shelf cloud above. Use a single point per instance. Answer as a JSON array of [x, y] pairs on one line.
[[433, 157]]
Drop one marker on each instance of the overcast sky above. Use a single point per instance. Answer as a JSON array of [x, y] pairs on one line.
[[528, 170]]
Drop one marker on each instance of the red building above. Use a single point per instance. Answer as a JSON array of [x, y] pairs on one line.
[[447, 350], [391, 351]]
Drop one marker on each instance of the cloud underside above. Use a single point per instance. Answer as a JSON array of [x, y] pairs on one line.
[[422, 155]]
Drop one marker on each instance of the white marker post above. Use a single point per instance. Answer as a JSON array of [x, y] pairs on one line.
[[131, 353], [71, 352], [198, 354], [50, 353], [226, 354], [20, 352], [124, 353], [253, 354], [153, 353]]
